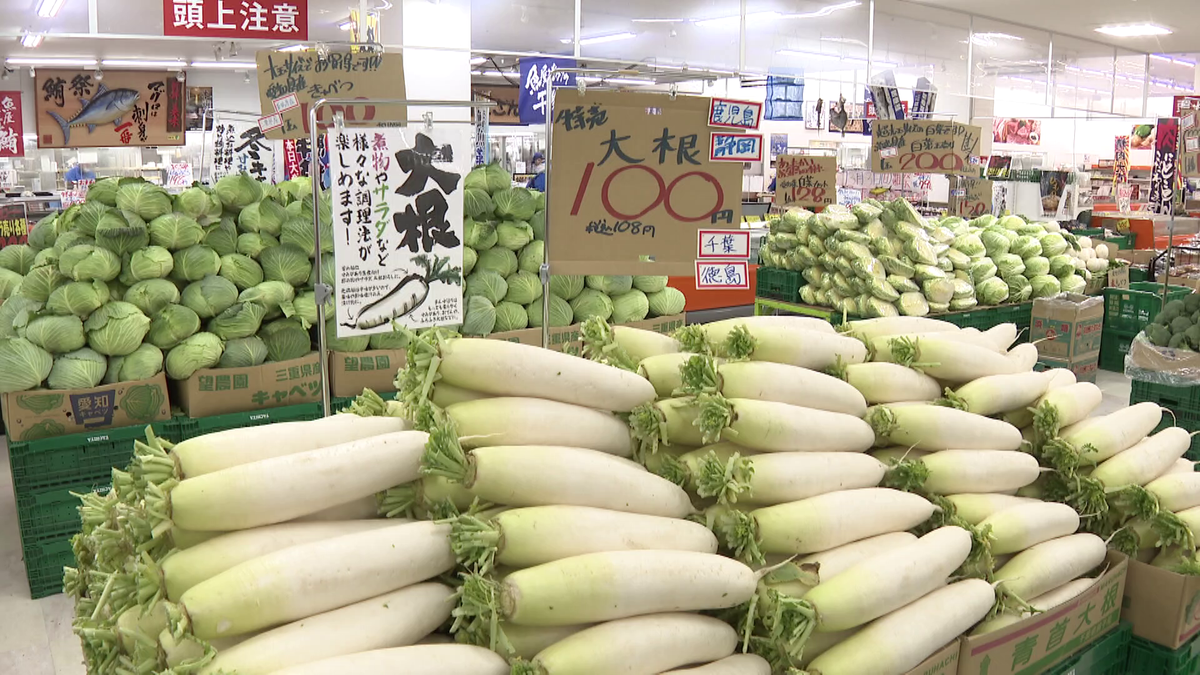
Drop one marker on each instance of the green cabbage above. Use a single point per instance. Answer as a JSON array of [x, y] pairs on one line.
[[630, 306], [150, 295], [510, 316], [477, 204], [237, 191], [591, 303], [479, 235], [1026, 247], [991, 291], [299, 233], [1019, 288], [46, 256], [1062, 266], [1009, 264], [970, 244], [222, 237], [202, 350], [499, 260], [17, 258], [9, 281], [611, 285], [80, 369], [144, 363], [523, 288], [210, 296], [147, 200], [566, 286], [470, 258], [354, 343], [1036, 266], [649, 284], [117, 328], [1053, 244], [104, 191], [88, 217], [254, 244], [488, 284], [195, 262], [287, 263], [304, 307], [538, 224], [274, 295], [938, 290], [982, 270], [121, 235], [514, 204], [153, 262], [85, 263], [913, 304], [394, 339], [44, 233], [265, 216], [23, 365], [531, 257], [243, 353], [242, 270], [667, 302], [561, 313], [56, 334], [476, 178], [1045, 286], [962, 288], [963, 304], [479, 316], [513, 235], [193, 203], [175, 231], [240, 320], [286, 339], [1073, 284]]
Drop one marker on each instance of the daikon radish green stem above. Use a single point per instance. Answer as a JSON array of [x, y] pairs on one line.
[[776, 478], [869, 329], [966, 337], [796, 347], [540, 534], [1047, 566], [818, 523], [504, 368], [1063, 406], [637, 645], [777, 382], [423, 497], [532, 421], [550, 475], [641, 344], [663, 372], [998, 393], [932, 427], [1020, 527], [888, 382], [414, 660], [957, 471], [901, 640], [600, 345], [265, 492], [396, 619], [947, 360], [667, 422], [307, 579], [1098, 438], [1042, 603], [800, 577], [738, 664]]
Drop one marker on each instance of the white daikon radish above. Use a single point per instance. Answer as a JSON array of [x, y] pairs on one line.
[[1145, 461], [776, 478], [1176, 491], [762, 381], [818, 643], [1064, 406], [1002, 335], [738, 664], [445, 395], [890, 383], [1182, 466], [359, 509], [999, 393], [951, 361], [1098, 438], [641, 344], [719, 331], [1042, 603], [977, 507], [1020, 527], [663, 371], [897, 453], [869, 329], [958, 471], [415, 660], [532, 421], [823, 566], [932, 427], [1050, 564]]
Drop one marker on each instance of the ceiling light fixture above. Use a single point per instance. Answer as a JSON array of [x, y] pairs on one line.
[[601, 39], [824, 11], [50, 62], [476, 60], [834, 57], [1178, 62], [844, 41], [735, 20], [31, 40], [659, 20], [492, 73], [225, 65], [48, 9], [1134, 30], [292, 48], [140, 63], [345, 24]]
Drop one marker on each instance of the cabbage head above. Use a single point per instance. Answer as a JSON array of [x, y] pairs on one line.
[[274, 295], [237, 191], [1009, 264], [1053, 244], [202, 350], [1019, 288], [242, 270], [299, 233], [287, 263], [514, 204], [499, 260], [1073, 284], [962, 288], [104, 191], [16, 310], [9, 280], [476, 178], [1045, 286], [630, 306], [56, 334], [152, 262], [982, 270], [44, 233], [1062, 266], [477, 204], [470, 257], [488, 284], [175, 231], [353, 343], [193, 203], [912, 304], [566, 286], [478, 234], [46, 256], [121, 235], [144, 363], [88, 217], [531, 257], [497, 178], [513, 235], [938, 290], [286, 339], [991, 291], [116, 329], [243, 353], [195, 262], [647, 284], [397, 338], [39, 283], [970, 244], [667, 302], [150, 295], [523, 288], [147, 200], [254, 243], [995, 243], [612, 285], [81, 369], [1036, 266], [510, 316], [561, 313], [23, 365], [264, 216], [17, 258], [210, 296], [479, 316], [1026, 247], [538, 224], [222, 237], [241, 320], [87, 263], [591, 303], [304, 307]]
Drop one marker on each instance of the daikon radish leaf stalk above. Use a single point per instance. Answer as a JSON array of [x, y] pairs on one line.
[[420, 498], [600, 344], [693, 339]]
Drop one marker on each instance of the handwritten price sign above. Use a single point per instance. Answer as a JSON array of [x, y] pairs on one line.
[[923, 146], [632, 183], [973, 199], [805, 181]]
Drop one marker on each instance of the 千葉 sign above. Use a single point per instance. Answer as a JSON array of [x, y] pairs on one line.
[[806, 181], [340, 76], [632, 183], [923, 146]]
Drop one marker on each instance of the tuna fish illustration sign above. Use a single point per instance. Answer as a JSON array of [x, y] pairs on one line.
[[134, 108]]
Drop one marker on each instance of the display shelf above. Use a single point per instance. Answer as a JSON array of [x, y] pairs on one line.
[[53, 512], [44, 562], [778, 284], [1114, 345]]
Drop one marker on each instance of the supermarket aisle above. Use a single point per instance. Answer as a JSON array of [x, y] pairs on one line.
[[1116, 391], [35, 635]]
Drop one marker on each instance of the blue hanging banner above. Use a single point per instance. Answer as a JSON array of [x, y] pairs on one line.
[[534, 75]]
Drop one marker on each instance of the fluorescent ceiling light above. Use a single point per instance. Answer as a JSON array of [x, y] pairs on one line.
[[137, 63], [225, 65], [1134, 30], [601, 39], [345, 24], [990, 39], [476, 60], [824, 11], [736, 19], [49, 8], [292, 48], [833, 57], [1178, 62], [844, 41], [31, 40], [658, 20], [51, 62], [492, 73]]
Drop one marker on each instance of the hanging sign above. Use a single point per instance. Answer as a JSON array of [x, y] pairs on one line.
[[129, 107], [1189, 139], [236, 19], [340, 75], [726, 147], [723, 244], [974, 200], [12, 130], [14, 224], [731, 114], [1163, 176], [535, 73], [928, 146], [179, 175], [398, 226], [1121, 161], [241, 146], [722, 275], [805, 181], [779, 145], [507, 99], [631, 179], [1124, 197]]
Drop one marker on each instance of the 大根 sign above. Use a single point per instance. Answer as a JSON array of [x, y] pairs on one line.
[[806, 181], [923, 146], [129, 107], [12, 130], [236, 19]]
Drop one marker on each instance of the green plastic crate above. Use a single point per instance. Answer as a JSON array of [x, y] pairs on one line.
[[1089, 232], [52, 511], [1137, 274], [1131, 309], [1105, 656], [1148, 658], [1114, 345], [1123, 242], [44, 562], [191, 427], [1183, 401], [778, 284], [985, 318], [77, 458]]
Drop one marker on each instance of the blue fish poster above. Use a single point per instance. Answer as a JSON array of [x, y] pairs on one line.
[[124, 107], [535, 73]]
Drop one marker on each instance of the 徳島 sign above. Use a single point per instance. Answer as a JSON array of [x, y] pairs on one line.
[[129, 107], [398, 226], [632, 183], [801, 180], [923, 146], [241, 19]]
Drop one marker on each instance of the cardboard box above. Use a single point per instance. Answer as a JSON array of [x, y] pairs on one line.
[[944, 662], [1164, 607], [1073, 322], [1136, 257], [1085, 368], [1033, 645], [44, 413], [564, 336], [351, 372], [219, 391]]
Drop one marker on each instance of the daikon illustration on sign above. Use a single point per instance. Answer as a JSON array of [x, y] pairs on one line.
[[398, 226]]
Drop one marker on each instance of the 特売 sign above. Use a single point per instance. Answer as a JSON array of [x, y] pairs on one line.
[[974, 198], [14, 224], [723, 244], [398, 226], [727, 147], [535, 73], [731, 114], [340, 75], [724, 274], [129, 107], [12, 141], [923, 146], [236, 19], [801, 180], [632, 183]]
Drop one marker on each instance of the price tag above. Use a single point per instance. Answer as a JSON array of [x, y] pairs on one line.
[[286, 103], [270, 122], [923, 146], [1188, 121], [723, 244], [958, 193], [726, 274], [888, 152], [1192, 144], [973, 199], [806, 181]]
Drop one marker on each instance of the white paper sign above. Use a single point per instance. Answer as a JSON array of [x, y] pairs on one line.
[[398, 226], [240, 146]]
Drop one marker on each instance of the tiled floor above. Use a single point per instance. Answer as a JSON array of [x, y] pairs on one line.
[[35, 635]]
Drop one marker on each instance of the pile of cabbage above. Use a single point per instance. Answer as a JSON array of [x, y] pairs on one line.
[[884, 259], [504, 230], [136, 280]]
